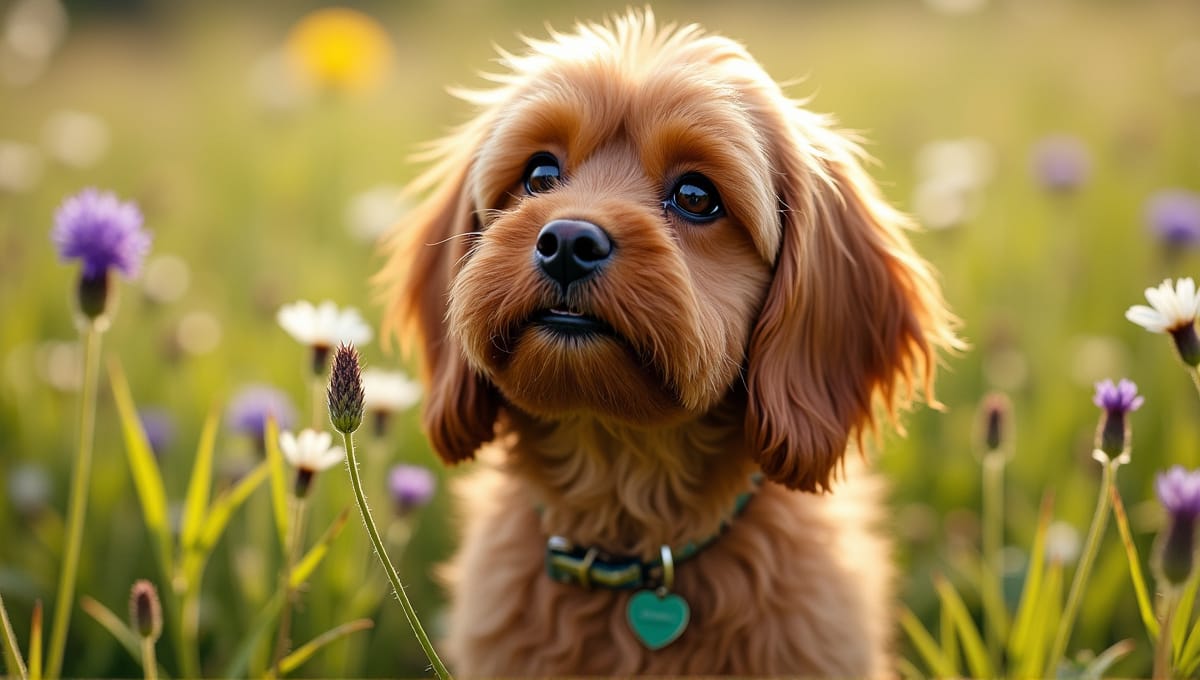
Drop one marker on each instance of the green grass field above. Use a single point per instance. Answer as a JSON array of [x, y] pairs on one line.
[[254, 199]]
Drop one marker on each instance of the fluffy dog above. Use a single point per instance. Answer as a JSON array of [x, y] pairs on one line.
[[662, 300]]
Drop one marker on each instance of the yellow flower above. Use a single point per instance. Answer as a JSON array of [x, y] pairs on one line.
[[339, 49]]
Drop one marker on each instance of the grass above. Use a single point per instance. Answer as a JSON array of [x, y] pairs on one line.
[[254, 202]]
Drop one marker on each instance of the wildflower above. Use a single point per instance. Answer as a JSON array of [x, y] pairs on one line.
[[253, 405], [309, 453], [1061, 163], [321, 327], [1179, 492], [339, 49], [411, 487], [345, 395], [104, 234], [159, 427], [1062, 543], [1112, 434], [76, 139], [1172, 310], [370, 214], [1174, 216], [145, 610], [20, 167], [29, 489], [387, 392]]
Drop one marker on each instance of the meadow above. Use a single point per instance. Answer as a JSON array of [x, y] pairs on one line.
[[259, 192]]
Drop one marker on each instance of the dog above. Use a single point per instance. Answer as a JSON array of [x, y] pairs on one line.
[[660, 301]]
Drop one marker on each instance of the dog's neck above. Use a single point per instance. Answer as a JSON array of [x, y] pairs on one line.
[[630, 491]]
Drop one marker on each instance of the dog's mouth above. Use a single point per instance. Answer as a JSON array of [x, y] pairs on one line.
[[566, 320]]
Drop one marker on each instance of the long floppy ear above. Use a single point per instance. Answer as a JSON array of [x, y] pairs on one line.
[[423, 252], [853, 319]]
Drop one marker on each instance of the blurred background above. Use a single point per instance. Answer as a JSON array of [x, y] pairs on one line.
[[1050, 147]]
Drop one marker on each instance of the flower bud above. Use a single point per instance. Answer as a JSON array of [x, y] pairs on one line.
[[145, 611], [1175, 552], [346, 397]]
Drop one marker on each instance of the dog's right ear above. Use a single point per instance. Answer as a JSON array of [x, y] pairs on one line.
[[424, 252]]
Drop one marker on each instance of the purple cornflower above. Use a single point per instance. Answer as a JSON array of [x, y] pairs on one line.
[[1179, 492], [103, 233], [252, 405], [159, 427], [1174, 215], [1112, 434], [1061, 163], [411, 487]]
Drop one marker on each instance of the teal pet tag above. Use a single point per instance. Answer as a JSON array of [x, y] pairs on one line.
[[659, 617]]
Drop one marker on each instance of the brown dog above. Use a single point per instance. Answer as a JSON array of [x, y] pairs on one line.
[[646, 281]]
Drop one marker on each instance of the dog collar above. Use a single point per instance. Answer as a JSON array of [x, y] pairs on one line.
[[590, 567]]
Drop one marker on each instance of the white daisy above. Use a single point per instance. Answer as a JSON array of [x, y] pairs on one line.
[[323, 326], [1171, 307], [389, 391], [310, 451]]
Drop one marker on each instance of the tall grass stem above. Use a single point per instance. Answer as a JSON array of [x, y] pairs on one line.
[[439, 668], [1162, 647], [289, 593], [1090, 547], [149, 662], [993, 542], [77, 504]]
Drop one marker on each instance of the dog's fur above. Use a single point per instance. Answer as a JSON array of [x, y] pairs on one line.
[[767, 340]]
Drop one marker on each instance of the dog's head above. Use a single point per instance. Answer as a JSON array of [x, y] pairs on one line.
[[640, 224]]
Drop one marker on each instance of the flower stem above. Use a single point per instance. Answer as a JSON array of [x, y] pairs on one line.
[[77, 504], [149, 663], [993, 540], [1195, 373], [439, 668], [1082, 571], [1162, 647], [289, 594]]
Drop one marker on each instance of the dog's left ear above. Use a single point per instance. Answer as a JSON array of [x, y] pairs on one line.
[[425, 251], [853, 319]]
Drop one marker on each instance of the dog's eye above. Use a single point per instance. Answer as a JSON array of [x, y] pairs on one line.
[[542, 174], [695, 198]]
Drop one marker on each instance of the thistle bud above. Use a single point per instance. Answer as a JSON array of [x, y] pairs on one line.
[[995, 423], [346, 397], [1179, 492], [145, 611], [1113, 432]]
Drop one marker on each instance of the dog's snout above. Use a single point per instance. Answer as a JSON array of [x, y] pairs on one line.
[[570, 250]]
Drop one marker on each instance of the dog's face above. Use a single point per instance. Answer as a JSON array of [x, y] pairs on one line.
[[637, 226]]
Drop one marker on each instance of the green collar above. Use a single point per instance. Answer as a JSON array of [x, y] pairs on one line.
[[589, 567]]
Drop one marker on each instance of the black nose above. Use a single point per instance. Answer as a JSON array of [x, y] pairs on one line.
[[569, 250]]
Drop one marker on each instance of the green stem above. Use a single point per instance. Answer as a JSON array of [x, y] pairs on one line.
[[1162, 647], [285, 615], [149, 663], [993, 540], [77, 504], [1086, 559], [189, 627], [439, 668], [1195, 373]]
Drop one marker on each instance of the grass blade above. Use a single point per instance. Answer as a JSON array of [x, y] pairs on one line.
[[293, 661], [1098, 668], [949, 640], [226, 504], [12, 652], [196, 502], [117, 628], [258, 630], [279, 495], [315, 554], [35, 642], [146, 476], [1145, 608], [925, 645], [1047, 610], [972, 643], [1021, 634], [1183, 615]]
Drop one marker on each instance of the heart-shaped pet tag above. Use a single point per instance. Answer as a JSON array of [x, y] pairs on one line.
[[657, 620]]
